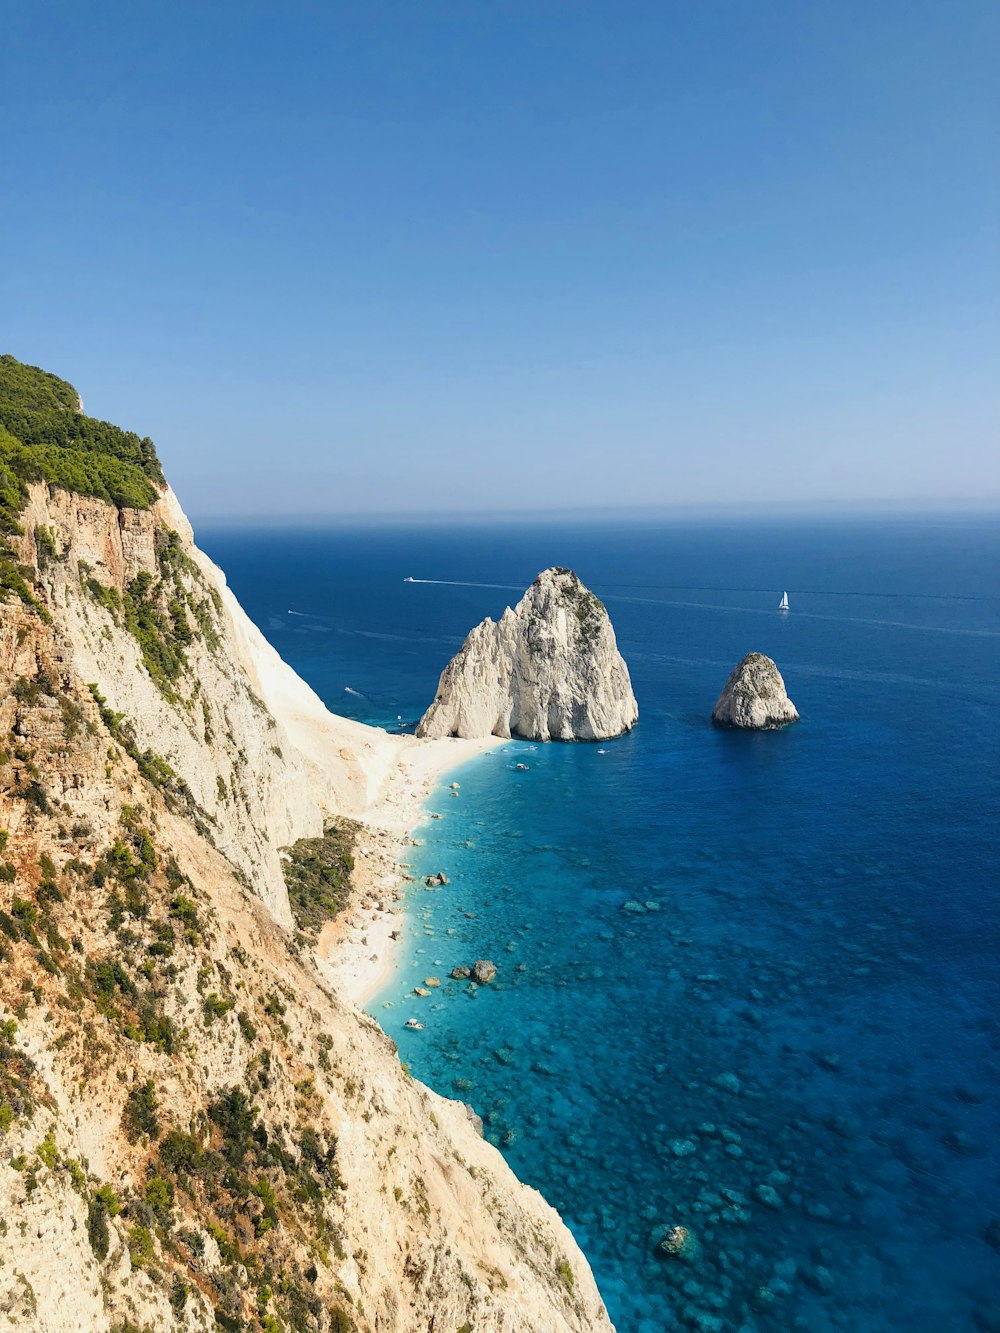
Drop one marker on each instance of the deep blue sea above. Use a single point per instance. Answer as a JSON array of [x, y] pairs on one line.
[[789, 1042]]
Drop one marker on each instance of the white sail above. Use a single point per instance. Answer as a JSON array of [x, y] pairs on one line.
[[783, 604]]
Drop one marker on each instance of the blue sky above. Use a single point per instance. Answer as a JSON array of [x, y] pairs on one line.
[[357, 257]]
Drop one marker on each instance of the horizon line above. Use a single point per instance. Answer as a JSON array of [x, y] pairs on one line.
[[604, 513]]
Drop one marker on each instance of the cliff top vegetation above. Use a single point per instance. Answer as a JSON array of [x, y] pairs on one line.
[[44, 436]]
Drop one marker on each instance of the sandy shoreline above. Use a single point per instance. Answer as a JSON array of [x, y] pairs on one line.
[[358, 950], [362, 773]]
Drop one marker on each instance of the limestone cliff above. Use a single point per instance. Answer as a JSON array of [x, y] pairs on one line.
[[754, 697], [196, 1130], [549, 669]]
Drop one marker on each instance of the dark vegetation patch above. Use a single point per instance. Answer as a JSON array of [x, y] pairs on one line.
[[44, 437], [60, 445], [149, 912], [266, 1193], [140, 1116], [318, 875], [253, 1189], [587, 608]]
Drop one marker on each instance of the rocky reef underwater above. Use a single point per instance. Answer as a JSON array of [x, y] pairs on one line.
[[750, 1096]]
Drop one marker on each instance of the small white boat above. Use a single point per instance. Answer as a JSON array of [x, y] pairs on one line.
[[413, 1025], [409, 580], [783, 604], [602, 751], [522, 768]]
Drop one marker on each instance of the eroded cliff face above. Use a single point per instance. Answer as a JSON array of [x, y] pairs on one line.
[[549, 669], [754, 697], [195, 1130], [204, 719]]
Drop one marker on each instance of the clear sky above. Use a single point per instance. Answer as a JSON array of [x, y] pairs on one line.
[[378, 256]]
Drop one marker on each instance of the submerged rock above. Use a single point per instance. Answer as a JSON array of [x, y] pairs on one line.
[[768, 1196], [549, 669], [679, 1243], [754, 697]]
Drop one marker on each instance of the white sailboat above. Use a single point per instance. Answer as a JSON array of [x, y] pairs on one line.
[[783, 604]]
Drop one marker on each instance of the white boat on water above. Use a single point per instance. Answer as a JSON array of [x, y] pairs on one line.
[[413, 1025], [409, 580], [783, 604]]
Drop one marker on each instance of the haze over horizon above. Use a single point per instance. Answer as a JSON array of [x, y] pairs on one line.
[[385, 259]]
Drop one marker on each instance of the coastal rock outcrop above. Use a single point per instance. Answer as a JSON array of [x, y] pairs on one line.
[[549, 669], [754, 697]]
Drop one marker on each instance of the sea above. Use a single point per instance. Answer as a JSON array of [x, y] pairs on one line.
[[747, 984]]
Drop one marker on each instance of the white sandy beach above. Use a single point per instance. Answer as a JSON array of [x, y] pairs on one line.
[[357, 949]]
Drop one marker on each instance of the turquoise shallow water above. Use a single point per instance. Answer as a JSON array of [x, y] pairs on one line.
[[792, 1049]]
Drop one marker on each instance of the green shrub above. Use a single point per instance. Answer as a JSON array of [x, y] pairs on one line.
[[140, 1246], [45, 544], [97, 1230], [140, 1114], [269, 1216], [181, 1154], [34, 793], [48, 1152], [103, 1204], [213, 1006], [184, 911], [178, 1294], [235, 1117], [160, 1196], [318, 875]]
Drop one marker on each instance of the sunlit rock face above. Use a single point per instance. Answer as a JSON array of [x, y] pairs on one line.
[[754, 697], [549, 669]]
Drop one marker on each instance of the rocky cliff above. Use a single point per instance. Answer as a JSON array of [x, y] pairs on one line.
[[754, 697], [549, 669], [196, 1130]]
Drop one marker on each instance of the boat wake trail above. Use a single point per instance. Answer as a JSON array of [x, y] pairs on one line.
[[810, 615], [456, 583]]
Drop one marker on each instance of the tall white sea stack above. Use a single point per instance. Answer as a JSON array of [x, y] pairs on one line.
[[549, 669], [754, 697]]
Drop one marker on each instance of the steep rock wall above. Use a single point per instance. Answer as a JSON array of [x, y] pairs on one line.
[[754, 697], [192, 1123], [549, 669]]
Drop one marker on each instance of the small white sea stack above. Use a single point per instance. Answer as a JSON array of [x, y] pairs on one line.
[[549, 669], [754, 697]]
